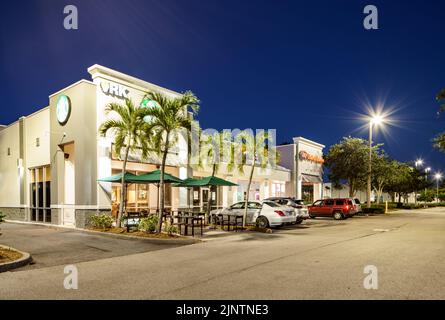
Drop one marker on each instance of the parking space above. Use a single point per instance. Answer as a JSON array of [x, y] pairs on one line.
[[55, 246]]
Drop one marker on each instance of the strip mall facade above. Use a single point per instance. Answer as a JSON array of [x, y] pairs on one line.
[[50, 160]]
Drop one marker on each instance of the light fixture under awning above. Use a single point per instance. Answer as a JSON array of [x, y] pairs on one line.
[[310, 178]]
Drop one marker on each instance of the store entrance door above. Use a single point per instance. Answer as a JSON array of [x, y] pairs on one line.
[[205, 198], [68, 211]]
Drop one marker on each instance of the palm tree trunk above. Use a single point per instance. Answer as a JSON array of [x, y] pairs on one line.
[[209, 198], [247, 193], [161, 185], [123, 187]]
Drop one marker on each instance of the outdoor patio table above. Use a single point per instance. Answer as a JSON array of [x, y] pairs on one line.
[[232, 220], [189, 221]]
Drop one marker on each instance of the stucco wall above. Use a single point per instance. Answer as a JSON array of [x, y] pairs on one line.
[[80, 129], [9, 172]]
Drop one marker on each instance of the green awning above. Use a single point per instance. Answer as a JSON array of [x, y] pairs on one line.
[[206, 181], [155, 177], [118, 178]]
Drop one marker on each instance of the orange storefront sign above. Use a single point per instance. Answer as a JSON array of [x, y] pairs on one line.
[[303, 155]]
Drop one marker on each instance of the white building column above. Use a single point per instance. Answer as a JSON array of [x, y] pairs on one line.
[[299, 188]]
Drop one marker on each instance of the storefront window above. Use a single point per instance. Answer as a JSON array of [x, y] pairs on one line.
[[40, 194]]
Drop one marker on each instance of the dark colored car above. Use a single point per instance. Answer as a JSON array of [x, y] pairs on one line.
[[338, 208]]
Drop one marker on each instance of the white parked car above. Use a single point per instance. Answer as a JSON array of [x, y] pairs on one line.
[[265, 214], [299, 206], [357, 207]]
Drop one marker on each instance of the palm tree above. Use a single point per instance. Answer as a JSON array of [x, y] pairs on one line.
[[211, 154], [258, 146], [128, 135], [441, 99], [164, 121]]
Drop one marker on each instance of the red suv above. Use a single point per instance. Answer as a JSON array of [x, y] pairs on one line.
[[340, 208]]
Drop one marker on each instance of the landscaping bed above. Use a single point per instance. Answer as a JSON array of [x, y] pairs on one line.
[[137, 233], [9, 255]]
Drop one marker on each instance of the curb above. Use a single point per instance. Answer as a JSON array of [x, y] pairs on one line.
[[23, 261], [154, 240], [116, 235]]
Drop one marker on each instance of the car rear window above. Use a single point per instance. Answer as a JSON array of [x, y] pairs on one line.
[[350, 202], [271, 204], [340, 202], [357, 201]]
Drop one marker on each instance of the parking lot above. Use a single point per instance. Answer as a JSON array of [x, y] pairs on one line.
[[320, 259], [57, 246]]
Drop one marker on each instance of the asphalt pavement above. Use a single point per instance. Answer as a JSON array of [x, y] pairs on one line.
[[320, 259]]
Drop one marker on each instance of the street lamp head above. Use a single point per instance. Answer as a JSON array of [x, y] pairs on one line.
[[438, 176], [419, 162], [427, 170], [377, 119]]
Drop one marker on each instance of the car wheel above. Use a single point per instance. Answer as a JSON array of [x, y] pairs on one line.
[[312, 217], [338, 216], [262, 222], [299, 221]]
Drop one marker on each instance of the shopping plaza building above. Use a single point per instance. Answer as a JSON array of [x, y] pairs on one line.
[[51, 160]]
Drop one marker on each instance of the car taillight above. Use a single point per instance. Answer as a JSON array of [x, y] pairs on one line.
[[347, 207], [280, 213]]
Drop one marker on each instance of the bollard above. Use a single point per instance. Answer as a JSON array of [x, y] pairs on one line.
[[386, 206]]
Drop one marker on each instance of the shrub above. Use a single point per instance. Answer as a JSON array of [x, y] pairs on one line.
[[101, 221], [374, 210], [169, 228], [149, 223]]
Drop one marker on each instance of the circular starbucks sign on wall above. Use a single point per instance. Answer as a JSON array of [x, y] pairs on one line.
[[63, 109]]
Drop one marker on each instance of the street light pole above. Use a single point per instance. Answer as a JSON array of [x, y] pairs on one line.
[[368, 202], [437, 176], [426, 178]]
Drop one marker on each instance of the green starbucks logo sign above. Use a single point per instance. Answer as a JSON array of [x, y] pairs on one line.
[[63, 109]]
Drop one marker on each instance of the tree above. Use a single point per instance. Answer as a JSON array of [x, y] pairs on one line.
[[164, 120], [400, 183], [254, 151], [383, 170], [405, 180], [349, 160], [125, 124], [213, 145], [439, 140], [427, 195]]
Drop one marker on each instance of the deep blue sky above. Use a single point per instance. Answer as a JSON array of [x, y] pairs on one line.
[[303, 67]]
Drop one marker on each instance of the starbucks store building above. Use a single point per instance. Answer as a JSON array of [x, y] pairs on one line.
[[51, 160]]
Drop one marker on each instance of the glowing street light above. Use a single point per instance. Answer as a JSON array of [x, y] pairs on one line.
[[438, 177], [418, 163], [375, 119]]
